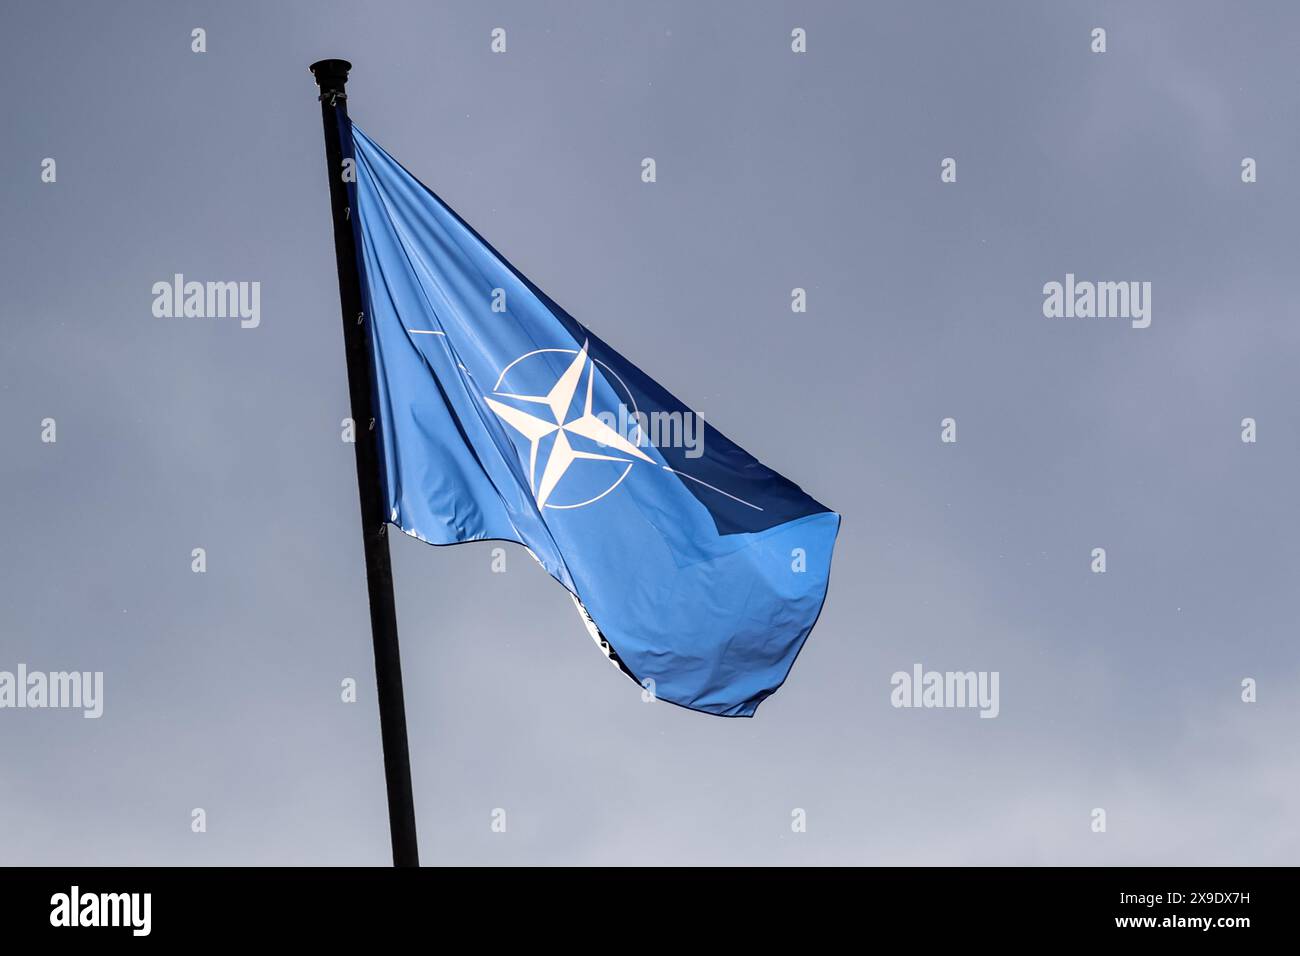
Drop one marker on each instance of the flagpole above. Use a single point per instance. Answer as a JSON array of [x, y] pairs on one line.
[[332, 77]]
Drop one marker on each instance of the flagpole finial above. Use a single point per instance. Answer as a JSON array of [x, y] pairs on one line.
[[331, 75]]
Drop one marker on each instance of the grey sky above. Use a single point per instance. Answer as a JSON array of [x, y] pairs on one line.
[[775, 170]]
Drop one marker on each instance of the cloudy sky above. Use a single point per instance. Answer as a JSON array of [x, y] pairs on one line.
[[776, 170]]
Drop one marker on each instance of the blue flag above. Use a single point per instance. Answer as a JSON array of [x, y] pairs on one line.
[[698, 570]]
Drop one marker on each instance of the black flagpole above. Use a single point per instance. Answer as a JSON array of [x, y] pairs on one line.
[[332, 78]]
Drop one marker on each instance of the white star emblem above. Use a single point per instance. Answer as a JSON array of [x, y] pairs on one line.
[[558, 400]]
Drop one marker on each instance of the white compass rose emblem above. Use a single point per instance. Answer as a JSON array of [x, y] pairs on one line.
[[557, 422]]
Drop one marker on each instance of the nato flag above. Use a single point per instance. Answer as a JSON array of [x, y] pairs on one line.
[[698, 570]]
